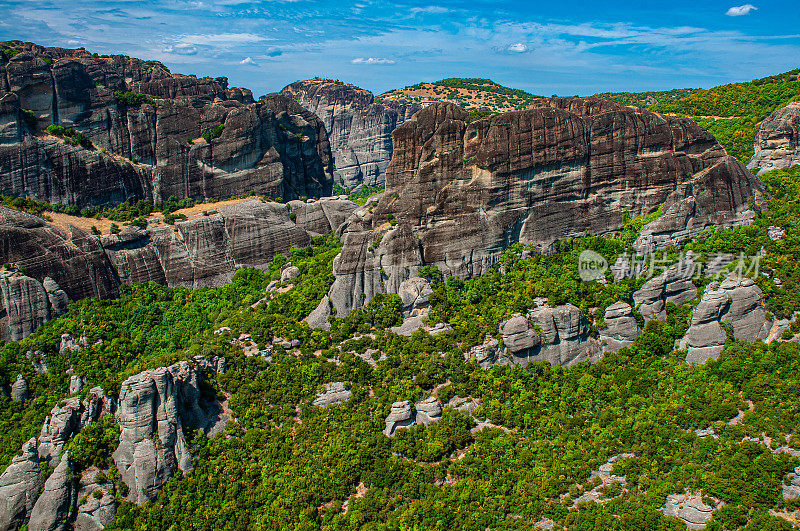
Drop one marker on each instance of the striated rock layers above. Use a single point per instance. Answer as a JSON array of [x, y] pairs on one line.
[[205, 250], [154, 409], [777, 142], [557, 335], [458, 193], [737, 302], [359, 128], [148, 143]]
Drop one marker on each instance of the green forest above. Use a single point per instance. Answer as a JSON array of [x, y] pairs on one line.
[[286, 464]]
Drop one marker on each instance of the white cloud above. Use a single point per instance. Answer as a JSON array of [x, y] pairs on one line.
[[518, 48], [738, 11], [248, 61], [372, 61], [181, 49]]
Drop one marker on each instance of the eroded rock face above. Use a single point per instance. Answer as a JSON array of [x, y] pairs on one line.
[[149, 149], [415, 293], [335, 393], [738, 302], [672, 285], [204, 250], [322, 216], [52, 509], [19, 389], [428, 410], [690, 508], [400, 416], [458, 194], [777, 142], [557, 335], [20, 485], [621, 327], [359, 129], [95, 513], [67, 420], [155, 406]]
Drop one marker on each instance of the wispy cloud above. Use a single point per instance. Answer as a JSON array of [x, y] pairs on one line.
[[248, 61], [372, 61], [738, 11], [518, 48]]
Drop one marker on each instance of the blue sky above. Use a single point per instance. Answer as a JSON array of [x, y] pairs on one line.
[[565, 47]]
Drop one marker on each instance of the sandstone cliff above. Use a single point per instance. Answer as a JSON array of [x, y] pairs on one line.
[[458, 193], [146, 126], [205, 250], [777, 142], [359, 129]]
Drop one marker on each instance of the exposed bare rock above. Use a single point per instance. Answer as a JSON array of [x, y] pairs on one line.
[[458, 194], [428, 410], [289, 272], [67, 420], [792, 490], [52, 508], [76, 384], [97, 505], [415, 293], [737, 301], [777, 142], [23, 304], [19, 389], [557, 335], [690, 508], [155, 406], [672, 285], [604, 474], [484, 354], [359, 129], [323, 216], [20, 485], [400, 416], [59, 300], [318, 318], [621, 327], [38, 360], [150, 147], [335, 393]]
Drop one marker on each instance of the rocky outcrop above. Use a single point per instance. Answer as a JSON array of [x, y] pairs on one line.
[[67, 420], [457, 193], [428, 410], [777, 142], [321, 216], [738, 302], [334, 393], [621, 327], [52, 509], [155, 407], [204, 250], [146, 129], [672, 285], [400, 416], [19, 389], [414, 293], [20, 485], [97, 505], [557, 335], [690, 508], [359, 128]]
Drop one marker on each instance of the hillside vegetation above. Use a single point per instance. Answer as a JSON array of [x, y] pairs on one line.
[[474, 94]]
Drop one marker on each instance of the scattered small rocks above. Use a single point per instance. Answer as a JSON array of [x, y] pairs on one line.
[[606, 478]]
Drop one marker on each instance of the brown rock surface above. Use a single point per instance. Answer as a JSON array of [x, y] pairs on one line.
[[458, 193]]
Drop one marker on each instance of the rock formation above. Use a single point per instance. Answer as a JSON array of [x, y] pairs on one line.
[[335, 393], [400, 416], [428, 410], [20, 485], [19, 389], [359, 129], [155, 407], [457, 193], [777, 142], [414, 293], [690, 508], [94, 513], [52, 508], [557, 335], [738, 302], [67, 420], [621, 327], [672, 285], [204, 250], [153, 134], [321, 216]]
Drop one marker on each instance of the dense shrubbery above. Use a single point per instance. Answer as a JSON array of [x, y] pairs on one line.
[[129, 99], [70, 136], [214, 132]]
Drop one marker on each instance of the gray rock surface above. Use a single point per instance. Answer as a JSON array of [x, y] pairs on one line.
[[359, 129], [690, 508], [428, 410], [557, 335], [414, 292], [24, 305], [323, 216], [621, 327], [155, 406], [289, 273], [67, 420], [59, 300], [20, 485], [52, 508], [400, 416], [149, 151], [792, 490], [94, 513], [19, 389], [76, 384], [484, 354], [672, 285], [737, 301], [334, 393], [777, 141], [318, 318]]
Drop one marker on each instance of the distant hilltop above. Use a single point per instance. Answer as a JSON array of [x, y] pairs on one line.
[[473, 94]]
